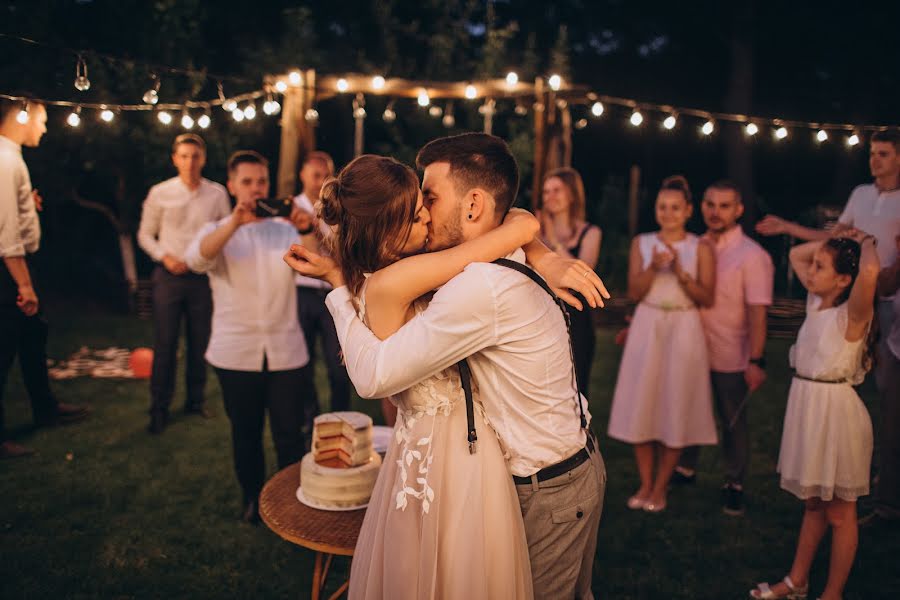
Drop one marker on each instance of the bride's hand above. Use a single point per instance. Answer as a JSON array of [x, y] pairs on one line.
[[310, 264], [564, 274]]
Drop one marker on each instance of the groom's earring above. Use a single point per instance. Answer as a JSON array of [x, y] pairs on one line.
[[470, 217]]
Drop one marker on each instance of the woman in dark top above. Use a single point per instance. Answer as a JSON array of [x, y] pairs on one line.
[[566, 232]]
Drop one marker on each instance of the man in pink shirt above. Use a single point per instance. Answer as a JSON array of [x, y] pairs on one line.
[[735, 329]]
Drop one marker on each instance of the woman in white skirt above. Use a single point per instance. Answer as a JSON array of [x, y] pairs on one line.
[[826, 444], [663, 398]]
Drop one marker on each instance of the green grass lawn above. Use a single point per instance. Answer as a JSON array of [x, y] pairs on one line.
[[107, 511]]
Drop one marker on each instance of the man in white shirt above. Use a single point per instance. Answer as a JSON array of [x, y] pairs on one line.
[[256, 346], [23, 329], [515, 339], [173, 213], [875, 209], [315, 320]]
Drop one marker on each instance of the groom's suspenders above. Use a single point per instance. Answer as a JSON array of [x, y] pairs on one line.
[[466, 375]]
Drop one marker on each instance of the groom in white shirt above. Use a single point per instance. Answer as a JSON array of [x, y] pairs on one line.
[[517, 345]]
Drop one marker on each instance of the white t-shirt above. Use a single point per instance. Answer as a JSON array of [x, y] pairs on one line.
[[20, 229]]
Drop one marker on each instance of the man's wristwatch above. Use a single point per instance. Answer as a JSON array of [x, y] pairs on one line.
[[759, 362]]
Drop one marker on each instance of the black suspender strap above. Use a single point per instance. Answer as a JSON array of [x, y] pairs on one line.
[[466, 375]]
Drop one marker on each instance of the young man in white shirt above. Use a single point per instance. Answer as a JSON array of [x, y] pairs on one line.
[[173, 213], [315, 320], [256, 346], [875, 209], [23, 329]]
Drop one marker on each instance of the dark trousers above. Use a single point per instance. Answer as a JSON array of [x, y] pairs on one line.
[[247, 395], [27, 338], [887, 377], [729, 394], [174, 297], [315, 321], [584, 339]]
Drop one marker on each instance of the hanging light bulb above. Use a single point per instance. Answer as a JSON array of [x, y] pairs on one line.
[[555, 82], [670, 122], [82, 83], [853, 139], [294, 78], [821, 136], [107, 115], [342, 85], [204, 121], [378, 82], [280, 86], [435, 111], [164, 117], [751, 129], [781, 133], [229, 105], [389, 115], [423, 99], [597, 109], [520, 109], [22, 115], [636, 118], [449, 120], [250, 111], [489, 107], [512, 78], [271, 105], [581, 123], [708, 128], [311, 116], [471, 92], [74, 118], [237, 114], [187, 121], [359, 106], [151, 96]]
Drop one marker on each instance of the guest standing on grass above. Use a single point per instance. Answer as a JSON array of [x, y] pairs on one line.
[[565, 230], [735, 328], [23, 328], [256, 345], [173, 213], [826, 443], [874, 208], [662, 401]]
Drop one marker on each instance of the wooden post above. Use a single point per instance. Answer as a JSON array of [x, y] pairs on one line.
[[540, 143], [565, 137], [359, 119], [297, 134], [634, 190]]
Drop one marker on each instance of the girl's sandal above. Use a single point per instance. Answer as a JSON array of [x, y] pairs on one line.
[[763, 591]]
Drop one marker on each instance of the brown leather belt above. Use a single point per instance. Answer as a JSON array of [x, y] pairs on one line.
[[562, 467]]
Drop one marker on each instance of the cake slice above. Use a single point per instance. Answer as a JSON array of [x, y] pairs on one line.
[[342, 438]]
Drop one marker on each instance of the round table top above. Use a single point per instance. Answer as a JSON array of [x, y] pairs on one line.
[[320, 530]]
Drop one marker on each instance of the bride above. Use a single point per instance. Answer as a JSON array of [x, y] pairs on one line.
[[441, 522]]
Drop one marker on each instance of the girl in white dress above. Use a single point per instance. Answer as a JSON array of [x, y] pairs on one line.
[[826, 444], [441, 522], [663, 397]]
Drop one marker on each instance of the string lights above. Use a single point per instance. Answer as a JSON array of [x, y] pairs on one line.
[[82, 83], [636, 118], [670, 122]]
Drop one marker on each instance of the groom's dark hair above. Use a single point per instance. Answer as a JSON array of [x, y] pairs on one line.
[[477, 160]]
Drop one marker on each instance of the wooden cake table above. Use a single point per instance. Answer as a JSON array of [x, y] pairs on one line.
[[327, 533]]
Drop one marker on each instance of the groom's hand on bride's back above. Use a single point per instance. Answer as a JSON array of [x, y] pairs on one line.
[[308, 263], [567, 275]]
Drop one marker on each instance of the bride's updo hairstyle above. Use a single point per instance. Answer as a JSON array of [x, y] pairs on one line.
[[371, 203]]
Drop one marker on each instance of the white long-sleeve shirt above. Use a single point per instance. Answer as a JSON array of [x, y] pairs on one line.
[[20, 229], [517, 346], [254, 298], [173, 213]]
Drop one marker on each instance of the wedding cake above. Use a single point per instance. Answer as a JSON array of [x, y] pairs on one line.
[[341, 470]]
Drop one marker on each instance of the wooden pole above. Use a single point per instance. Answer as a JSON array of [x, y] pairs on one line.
[[565, 139], [359, 118], [634, 187], [540, 143], [297, 135]]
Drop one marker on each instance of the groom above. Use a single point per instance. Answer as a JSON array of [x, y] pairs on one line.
[[514, 337]]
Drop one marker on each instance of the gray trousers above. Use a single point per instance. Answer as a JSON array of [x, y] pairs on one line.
[[887, 378], [561, 519], [729, 395]]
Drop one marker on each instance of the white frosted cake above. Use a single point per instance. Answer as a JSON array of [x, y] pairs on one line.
[[341, 470]]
